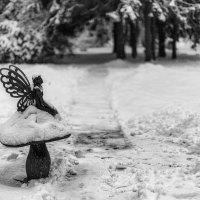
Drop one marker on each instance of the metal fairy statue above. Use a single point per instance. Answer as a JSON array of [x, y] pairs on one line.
[[17, 85]]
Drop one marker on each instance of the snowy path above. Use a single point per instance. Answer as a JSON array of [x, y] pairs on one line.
[[92, 117], [102, 147], [113, 165], [91, 110]]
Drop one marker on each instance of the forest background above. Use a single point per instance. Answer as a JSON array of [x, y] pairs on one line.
[[35, 31]]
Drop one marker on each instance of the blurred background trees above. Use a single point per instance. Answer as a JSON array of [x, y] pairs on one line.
[[36, 30]]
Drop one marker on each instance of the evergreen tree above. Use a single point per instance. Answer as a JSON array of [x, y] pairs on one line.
[[39, 28], [131, 11], [126, 12], [3, 4], [19, 36]]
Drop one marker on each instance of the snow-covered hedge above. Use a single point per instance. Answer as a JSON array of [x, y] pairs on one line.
[[17, 45]]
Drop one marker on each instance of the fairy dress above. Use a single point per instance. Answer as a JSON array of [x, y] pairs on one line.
[[40, 103]]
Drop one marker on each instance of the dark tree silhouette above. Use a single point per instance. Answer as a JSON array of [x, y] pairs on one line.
[[134, 32], [161, 38], [120, 40], [148, 33]]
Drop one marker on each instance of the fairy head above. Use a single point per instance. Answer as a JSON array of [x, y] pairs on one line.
[[37, 80]]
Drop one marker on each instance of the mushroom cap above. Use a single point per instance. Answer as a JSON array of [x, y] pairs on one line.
[[33, 126]]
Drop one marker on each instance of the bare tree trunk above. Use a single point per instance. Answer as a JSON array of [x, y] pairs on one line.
[[161, 37], [134, 37], [114, 37], [174, 38], [153, 38], [120, 40], [148, 36]]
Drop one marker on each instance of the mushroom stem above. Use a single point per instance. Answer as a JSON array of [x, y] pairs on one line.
[[38, 162]]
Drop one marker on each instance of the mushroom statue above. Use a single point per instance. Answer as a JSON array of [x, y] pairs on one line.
[[35, 123]]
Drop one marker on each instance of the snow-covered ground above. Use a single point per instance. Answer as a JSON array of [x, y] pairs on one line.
[[135, 132]]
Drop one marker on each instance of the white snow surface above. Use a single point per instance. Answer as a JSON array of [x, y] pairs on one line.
[[31, 126], [157, 99], [154, 106]]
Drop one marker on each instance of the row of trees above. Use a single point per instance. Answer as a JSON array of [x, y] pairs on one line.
[[33, 29], [161, 19]]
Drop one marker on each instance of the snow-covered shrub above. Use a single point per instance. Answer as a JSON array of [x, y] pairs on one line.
[[21, 39], [23, 11], [17, 45]]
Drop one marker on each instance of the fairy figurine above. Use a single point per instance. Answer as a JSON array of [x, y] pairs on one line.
[[17, 85]]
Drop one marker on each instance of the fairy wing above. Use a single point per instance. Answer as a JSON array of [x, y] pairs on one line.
[[24, 102], [17, 85]]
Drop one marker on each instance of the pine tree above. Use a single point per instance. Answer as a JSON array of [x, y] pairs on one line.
[[127, 12], [131, 11], [184, 21]]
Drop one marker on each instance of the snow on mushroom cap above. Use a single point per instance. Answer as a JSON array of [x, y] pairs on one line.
[[33, 125]]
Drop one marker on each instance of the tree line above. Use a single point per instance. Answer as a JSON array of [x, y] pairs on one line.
[[161, 19], [31, 30]]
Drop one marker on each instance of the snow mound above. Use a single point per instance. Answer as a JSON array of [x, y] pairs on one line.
[[31, 125], [151, 88], [63, 167], [42, 192], [180, 183], [179, 126]]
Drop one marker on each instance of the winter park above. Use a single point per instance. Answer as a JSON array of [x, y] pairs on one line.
[[99, 100]]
